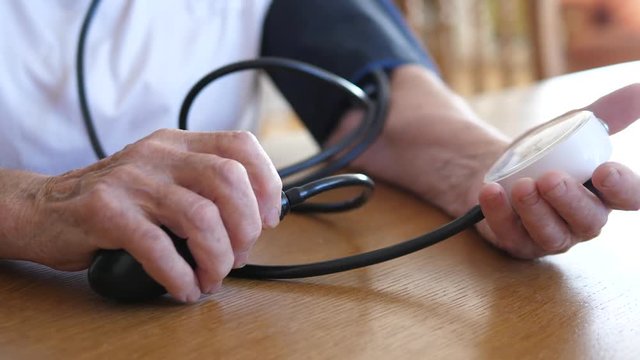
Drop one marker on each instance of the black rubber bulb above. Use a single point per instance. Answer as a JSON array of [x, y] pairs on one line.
[[117, 275]]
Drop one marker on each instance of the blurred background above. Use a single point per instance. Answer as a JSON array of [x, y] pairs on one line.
[[484, 45]]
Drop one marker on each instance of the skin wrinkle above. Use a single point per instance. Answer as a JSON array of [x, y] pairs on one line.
[[57, 212], [442, 158], [581, 230], [558, 236], [149, 201], [18, 198], [434, 140], [612, 178], [558, 190], [622, 197], [117, 203], [530, 199], [63, 188], [459, 171]]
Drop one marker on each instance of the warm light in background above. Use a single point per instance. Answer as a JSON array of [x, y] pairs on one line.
[[484, 45]]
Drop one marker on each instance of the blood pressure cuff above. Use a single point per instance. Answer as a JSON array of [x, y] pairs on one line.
[[347, 37]]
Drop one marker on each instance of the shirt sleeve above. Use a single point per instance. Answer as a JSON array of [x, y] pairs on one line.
[[347, 37]]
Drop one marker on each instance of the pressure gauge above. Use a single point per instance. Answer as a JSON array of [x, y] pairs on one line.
[[576, 143]]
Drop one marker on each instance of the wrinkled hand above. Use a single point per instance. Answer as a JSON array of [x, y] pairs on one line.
[[551, 214], [218, 190]]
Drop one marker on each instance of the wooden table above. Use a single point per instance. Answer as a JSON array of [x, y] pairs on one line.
[[459, 299]]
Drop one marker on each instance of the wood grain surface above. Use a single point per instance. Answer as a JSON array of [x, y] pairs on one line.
[[460, 299]]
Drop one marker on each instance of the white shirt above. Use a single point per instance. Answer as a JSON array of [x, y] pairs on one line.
[[141, 59]]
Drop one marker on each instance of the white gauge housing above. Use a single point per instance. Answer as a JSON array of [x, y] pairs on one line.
[[576, 143]]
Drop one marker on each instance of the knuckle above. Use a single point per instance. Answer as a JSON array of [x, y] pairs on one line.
[[101, 205], [222, 266], [202, 214], [142, 149], [232, 172], [245, 140], [163, 133], [153, 252], [100, 196], [124, 173], [247, 236], [591, 229]]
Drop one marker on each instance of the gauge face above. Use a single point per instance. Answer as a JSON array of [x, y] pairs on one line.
[[536, 142]]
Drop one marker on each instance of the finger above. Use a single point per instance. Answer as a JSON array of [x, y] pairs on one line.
[[619, 187], [578, 207], [112, 203], [243, 147], [221, 180], [543, 224], [618, 109], [226, 183], [198, 220], [155, 251], [505, 223]]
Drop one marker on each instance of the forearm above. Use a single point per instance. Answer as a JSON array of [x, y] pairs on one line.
[[18, 191], [432, 145]]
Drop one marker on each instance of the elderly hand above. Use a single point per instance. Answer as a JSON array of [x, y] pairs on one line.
[[218, 190], [551, 214]]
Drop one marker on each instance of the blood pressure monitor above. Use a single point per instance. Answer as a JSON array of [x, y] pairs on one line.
[[576, 143]]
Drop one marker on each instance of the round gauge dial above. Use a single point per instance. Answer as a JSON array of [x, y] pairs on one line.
[[572, 142]]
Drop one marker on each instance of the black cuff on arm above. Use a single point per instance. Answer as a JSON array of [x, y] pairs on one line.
[[348, 37]]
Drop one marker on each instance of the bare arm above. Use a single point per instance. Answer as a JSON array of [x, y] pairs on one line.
[[434, 146], [217, 190], [18, 191]]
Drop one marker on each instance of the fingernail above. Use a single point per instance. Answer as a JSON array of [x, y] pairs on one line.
[[213, 288], [241, 259], [496, 194], [273, 218], [193, 296], [556, 244], [612, 178]]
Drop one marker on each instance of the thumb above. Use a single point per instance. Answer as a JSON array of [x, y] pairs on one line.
[[618, 109]]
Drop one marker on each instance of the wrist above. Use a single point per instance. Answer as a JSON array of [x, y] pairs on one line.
[[432, 143], [18, 197]]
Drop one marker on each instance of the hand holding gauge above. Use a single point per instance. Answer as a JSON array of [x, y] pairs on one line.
[[577, 141], [538, 206], [65, 221]]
